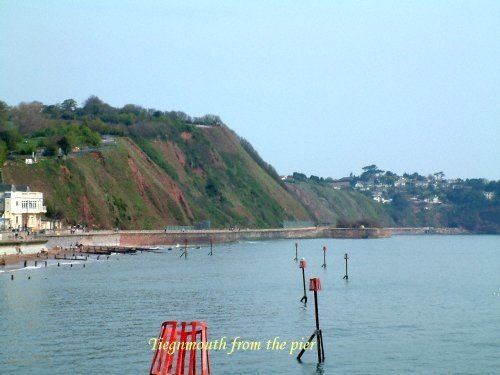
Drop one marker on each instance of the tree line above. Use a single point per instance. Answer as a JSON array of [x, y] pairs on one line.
[[26, 127]]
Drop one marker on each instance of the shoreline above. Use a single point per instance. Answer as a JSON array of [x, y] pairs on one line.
[[10, 259], [62, 243]]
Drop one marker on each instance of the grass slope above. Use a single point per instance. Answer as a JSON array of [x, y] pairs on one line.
[[327, 205], [199, 173]]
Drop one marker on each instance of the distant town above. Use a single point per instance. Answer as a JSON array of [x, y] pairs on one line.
[[425, 191]]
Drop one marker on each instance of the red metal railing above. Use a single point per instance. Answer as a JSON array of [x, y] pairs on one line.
[[175, 344]]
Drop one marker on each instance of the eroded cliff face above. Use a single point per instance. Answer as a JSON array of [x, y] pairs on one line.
[[204, 174]]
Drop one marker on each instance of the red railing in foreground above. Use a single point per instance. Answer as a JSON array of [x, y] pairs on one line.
[[177, 339]]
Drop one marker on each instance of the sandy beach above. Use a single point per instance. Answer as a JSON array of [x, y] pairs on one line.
[[44, 255]]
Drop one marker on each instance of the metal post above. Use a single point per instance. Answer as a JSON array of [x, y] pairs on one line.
[[318, 331], [303, 265], [346, 256], [304, 299], [315, 286], [185, 253], [324, 257]]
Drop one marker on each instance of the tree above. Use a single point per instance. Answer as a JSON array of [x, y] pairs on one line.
[[65, 144], [370, 172], [68, 108], [4, 111], [69, 105], [10, 135], [28, 117], [299, 176], [439, 175], [3, 153], [96, 107], [213, 120]]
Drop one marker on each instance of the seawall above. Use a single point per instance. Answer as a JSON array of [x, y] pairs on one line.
[[157, 238], [426, 230]]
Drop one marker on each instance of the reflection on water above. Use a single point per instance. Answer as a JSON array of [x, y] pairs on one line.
[[412, 304]]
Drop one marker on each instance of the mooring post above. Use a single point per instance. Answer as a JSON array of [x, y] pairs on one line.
[[296, 246], [25, 263], [36, 263], [315, 286], [185, 253], [324, 257], [346, 256], [303, 265], [12, 277], [211, 247]]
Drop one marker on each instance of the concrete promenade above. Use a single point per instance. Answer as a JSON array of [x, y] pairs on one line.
[[152, 238]]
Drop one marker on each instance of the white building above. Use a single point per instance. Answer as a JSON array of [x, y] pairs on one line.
[[21, 207]]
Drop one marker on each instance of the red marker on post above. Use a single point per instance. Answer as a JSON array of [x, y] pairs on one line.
[[315, 286]]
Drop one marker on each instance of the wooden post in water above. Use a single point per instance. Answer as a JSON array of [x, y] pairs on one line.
[[185, 253], [296, 246], [346, 256], [324, 257], [315, 286], [303, 265], [211, 247]]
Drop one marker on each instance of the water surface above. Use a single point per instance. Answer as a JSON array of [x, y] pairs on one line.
[[413, 304]]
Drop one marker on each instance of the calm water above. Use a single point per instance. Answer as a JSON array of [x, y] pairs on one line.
[[416, 304]]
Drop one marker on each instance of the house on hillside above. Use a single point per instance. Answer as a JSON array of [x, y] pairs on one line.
[[343, 183], [21, 208]]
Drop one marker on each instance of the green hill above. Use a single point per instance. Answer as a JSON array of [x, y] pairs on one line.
[[342, 208], [138, 168], [205, 174]]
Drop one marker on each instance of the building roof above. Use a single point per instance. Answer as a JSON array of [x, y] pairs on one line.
[[12, 187]]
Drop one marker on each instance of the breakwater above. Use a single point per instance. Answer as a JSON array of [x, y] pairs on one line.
[[426, 230], [196, 237]]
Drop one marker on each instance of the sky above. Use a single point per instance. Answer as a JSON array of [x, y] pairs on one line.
[[318, 87]]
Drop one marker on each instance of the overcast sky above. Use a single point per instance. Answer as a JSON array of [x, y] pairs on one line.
[[318, 87]]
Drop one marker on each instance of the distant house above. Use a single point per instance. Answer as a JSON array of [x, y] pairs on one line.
[[489, 195], [21, 208], [377, 196], [342, 183], [422, 184], [31, 160], [400, 182], [433, 200], [360, 186]]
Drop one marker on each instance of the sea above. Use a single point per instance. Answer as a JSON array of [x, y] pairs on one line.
[[426, 304]]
